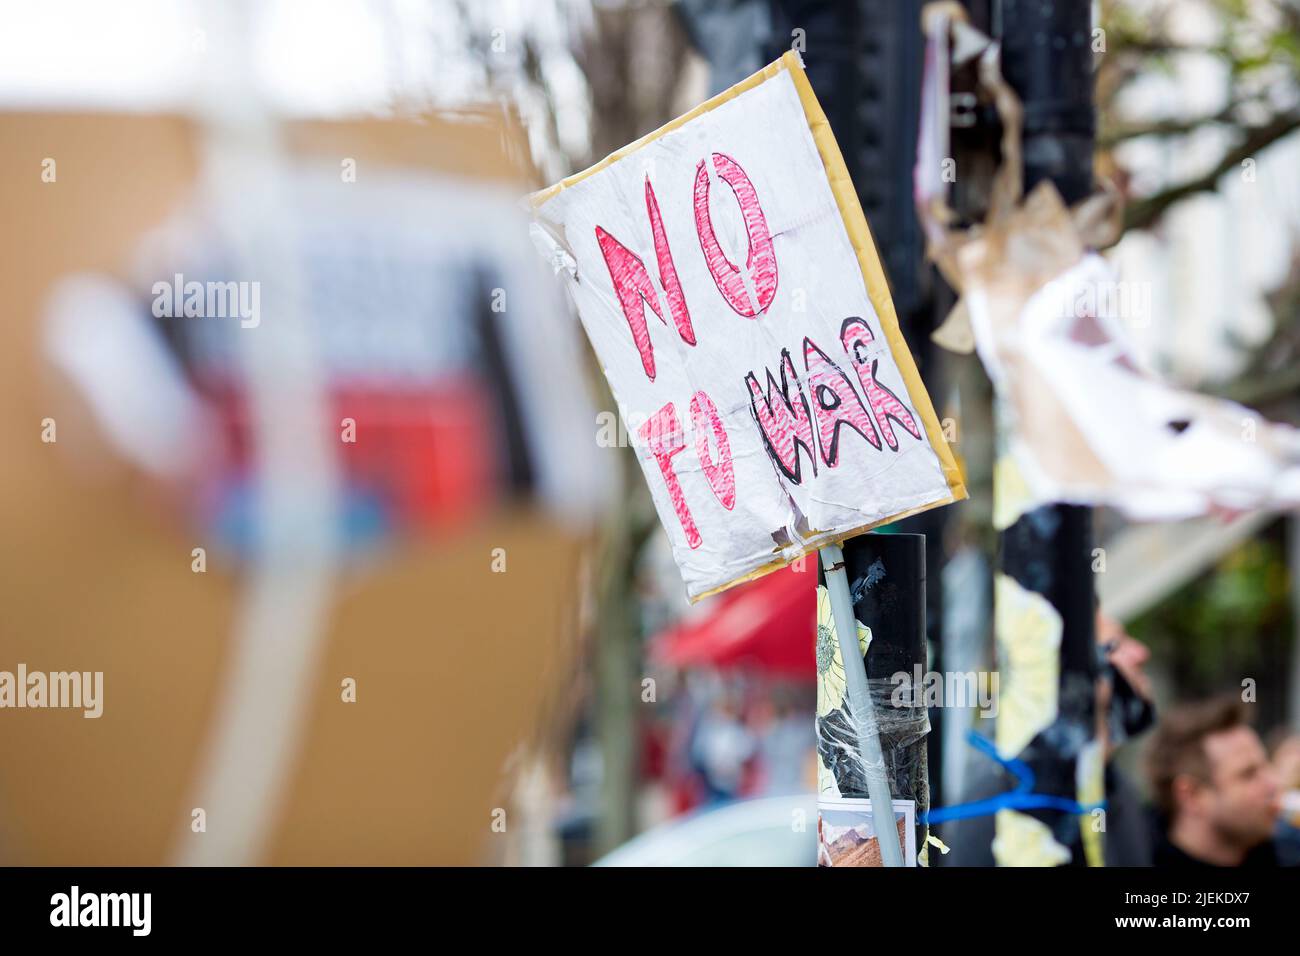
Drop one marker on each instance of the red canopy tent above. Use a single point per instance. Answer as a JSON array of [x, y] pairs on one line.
[[766, 625]]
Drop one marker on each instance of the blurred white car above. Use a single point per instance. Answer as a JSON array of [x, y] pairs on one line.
[[768, 831]]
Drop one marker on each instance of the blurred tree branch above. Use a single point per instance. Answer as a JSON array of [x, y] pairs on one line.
[[1259, 42], [1112, 137], [1144, 212], [1256, 44]]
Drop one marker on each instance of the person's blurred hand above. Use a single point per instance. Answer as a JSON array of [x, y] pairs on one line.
[[1128, 655]]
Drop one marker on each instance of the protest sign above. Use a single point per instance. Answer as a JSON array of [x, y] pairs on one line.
[[726, 277]]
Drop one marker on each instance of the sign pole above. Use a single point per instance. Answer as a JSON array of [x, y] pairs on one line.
[[859, 694]]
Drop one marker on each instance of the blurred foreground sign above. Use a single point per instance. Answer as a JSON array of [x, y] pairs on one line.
[[724, 272]]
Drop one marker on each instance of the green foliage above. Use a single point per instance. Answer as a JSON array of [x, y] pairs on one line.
[[1232, 622]]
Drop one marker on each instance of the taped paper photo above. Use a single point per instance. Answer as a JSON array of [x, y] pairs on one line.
[[846, 832]]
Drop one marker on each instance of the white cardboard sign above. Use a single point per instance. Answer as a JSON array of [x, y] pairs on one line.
[[726, 278]]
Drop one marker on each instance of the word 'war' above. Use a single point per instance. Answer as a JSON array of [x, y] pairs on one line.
[[795, 418]]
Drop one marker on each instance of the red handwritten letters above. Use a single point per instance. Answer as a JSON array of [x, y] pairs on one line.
[[794, 421], [761, 260]]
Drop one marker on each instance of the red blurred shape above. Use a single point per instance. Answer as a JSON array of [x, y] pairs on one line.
[[429, 451], [766, 625]]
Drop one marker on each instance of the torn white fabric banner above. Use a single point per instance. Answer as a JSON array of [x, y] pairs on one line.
[[1091, 426]]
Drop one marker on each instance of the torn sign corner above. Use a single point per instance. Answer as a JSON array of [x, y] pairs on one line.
[[956, 333], [549, 240]]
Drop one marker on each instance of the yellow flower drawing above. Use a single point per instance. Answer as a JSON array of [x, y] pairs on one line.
[[830, 665]]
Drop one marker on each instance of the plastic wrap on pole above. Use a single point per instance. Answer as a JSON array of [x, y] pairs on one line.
[[887, 581]]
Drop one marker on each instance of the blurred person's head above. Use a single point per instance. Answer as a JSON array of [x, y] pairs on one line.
[[1212, 781]]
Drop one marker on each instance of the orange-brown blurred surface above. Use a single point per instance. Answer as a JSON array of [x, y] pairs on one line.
[[451, 662]]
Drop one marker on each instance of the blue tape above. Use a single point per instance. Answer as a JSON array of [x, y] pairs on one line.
[[1021, 797]]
